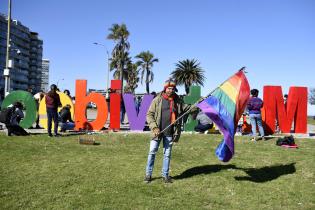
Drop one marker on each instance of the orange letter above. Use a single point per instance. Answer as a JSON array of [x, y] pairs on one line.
[[81, 101]]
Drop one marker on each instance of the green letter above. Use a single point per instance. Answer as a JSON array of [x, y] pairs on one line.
[[28, 102], [193, 97]]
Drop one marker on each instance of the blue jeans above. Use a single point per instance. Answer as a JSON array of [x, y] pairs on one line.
[[52, 114], [203, 128], [167, 150], [253, 119], [67, 126]]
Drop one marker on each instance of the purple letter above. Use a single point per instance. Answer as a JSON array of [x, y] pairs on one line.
[[137, 121]]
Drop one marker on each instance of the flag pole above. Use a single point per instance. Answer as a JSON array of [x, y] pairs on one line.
[[200, 100]]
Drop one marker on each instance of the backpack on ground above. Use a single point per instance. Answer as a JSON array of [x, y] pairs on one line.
[[287, 140], [6, 114]]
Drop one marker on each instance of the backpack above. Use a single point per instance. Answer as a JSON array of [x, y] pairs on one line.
[[6, 114], [287, 140]]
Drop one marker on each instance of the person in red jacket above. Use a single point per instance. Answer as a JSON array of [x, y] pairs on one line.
[[52, 100]]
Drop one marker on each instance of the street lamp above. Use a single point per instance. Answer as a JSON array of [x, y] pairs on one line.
[[6, 71], [108, 67], [58, 81]]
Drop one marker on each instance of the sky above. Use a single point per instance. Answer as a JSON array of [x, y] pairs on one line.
[[274, 39]]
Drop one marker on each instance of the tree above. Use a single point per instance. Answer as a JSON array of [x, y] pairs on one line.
[[120, 63], [145, 62], [311, 96], [119, 34], [188, 72], [132, 78]]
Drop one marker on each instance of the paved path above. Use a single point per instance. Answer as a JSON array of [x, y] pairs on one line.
[[311, 129]]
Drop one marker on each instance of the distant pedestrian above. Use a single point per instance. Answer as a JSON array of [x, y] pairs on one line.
[[285, 100], [107, 97], [138, 103], [122, 112], [52, 100], [67, 92], [254, 105], [38, 97]]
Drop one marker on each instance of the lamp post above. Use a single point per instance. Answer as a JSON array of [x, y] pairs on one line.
[[6, 72], [108, 64], [59, 80]]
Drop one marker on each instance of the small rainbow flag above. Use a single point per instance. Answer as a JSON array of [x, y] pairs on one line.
[[224, 107]]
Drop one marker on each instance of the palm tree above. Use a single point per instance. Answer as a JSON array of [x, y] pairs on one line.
[[119, 34], [188, 72], [118, 63], [146, 61], [132, 78]]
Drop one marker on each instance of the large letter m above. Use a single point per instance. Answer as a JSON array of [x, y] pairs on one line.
[[295, 109]]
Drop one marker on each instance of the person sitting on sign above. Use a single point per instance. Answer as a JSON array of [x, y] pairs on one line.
[[65, 119]]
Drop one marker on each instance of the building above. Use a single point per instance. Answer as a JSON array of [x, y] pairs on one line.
[[26, 50], [45, 75]]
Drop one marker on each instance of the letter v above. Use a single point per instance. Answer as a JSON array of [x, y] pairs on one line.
[[137, 121]]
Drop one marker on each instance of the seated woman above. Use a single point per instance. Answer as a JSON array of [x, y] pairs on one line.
[[65, 119], [204, 122]]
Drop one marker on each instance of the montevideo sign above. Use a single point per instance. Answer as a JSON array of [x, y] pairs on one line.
[[294, 112]]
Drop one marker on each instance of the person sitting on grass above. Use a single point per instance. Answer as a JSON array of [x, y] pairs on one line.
[[13, 124], [204, 122], [65, 119]]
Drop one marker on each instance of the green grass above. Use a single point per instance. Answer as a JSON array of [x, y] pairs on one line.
[[42, 173], [310, 120]]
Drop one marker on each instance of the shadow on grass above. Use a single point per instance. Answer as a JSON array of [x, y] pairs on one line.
[[258, 175], [266, 173], [206, 169]]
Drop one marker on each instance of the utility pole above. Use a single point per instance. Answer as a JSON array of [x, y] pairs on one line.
[[6, 72]]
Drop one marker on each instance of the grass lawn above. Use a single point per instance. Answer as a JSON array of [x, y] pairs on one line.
[[38, 172], [310, 120]]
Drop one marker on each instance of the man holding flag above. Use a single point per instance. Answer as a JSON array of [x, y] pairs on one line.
[[162, 118], [224, 106]]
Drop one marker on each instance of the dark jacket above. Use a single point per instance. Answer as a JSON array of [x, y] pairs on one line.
[[52, 100], [154, 114], [254, 105], [65, 115]]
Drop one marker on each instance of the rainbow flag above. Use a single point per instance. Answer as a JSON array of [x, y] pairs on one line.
[[224, 107]]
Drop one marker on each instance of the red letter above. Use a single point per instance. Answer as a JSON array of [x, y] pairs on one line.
[[296, 109], [115, 98], [81, 101]]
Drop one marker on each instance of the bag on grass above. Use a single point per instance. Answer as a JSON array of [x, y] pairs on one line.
[[287, 140], [6, 114]]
